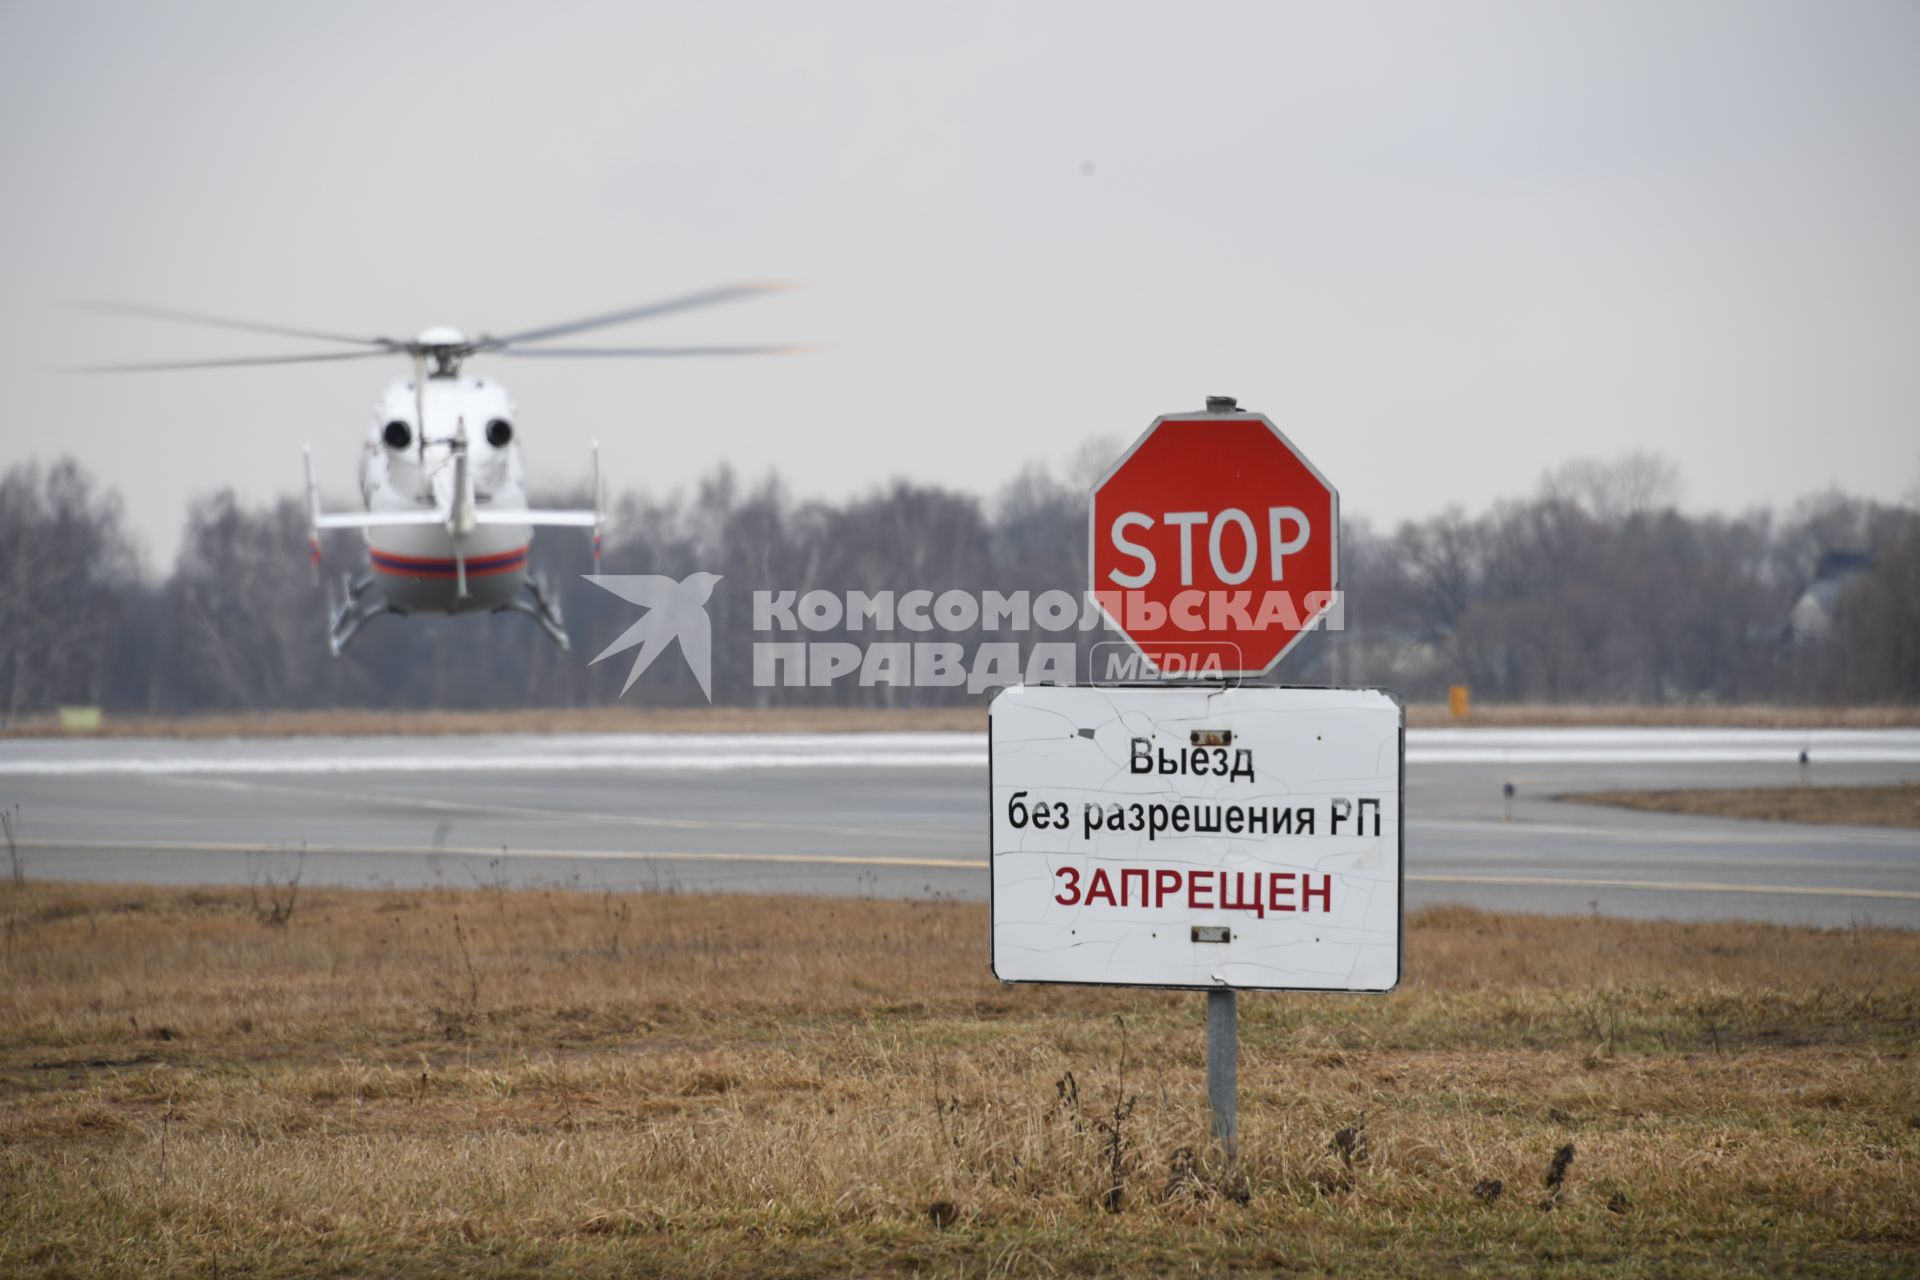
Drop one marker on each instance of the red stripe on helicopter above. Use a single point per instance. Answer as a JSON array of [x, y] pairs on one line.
[[425, 567]]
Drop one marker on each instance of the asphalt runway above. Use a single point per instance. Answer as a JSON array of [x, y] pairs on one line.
[[906, 816]]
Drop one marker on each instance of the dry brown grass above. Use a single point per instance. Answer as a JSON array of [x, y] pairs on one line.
[[625, 719], [479, 1082], [1897, 805]]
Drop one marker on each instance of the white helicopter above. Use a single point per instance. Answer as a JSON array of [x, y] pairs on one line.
[[447, 524]]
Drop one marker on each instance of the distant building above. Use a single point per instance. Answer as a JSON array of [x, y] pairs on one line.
[[1813, 614]]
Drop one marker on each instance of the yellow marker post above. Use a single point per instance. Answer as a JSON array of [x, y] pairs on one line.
[[79, 719], [1457, 702]]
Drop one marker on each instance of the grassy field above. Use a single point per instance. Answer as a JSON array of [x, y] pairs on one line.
[[634, 719], [1897, 805], [482, 1083]]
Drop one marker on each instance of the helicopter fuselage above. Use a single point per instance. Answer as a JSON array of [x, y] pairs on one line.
[[408, 465]]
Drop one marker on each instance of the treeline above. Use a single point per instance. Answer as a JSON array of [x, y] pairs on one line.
[[1594, 589]]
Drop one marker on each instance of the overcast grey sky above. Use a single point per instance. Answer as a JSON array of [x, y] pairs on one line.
[[1447, 246]]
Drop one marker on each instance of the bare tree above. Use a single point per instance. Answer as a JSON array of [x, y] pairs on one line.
[[1616, 489], [1595, 588], [66, 565]]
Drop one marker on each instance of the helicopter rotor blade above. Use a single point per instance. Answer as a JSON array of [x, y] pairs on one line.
[[168, 365], [687, 302], [221, 322], [572, 352]]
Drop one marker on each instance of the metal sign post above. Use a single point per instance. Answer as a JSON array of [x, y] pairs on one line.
[[1223, 1070]]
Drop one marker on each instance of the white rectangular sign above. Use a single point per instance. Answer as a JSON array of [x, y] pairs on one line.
[[1197, 837]]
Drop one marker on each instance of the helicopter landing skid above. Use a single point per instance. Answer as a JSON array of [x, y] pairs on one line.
[[363, 605], [540, 604]]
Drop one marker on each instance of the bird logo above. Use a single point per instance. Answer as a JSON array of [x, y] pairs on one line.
[[674, 611]]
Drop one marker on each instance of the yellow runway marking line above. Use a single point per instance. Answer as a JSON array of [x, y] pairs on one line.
[[495, 851], [524, 811], [1672, 886]]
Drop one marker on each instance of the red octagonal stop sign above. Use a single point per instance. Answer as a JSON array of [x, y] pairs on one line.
[[1214, 545]]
